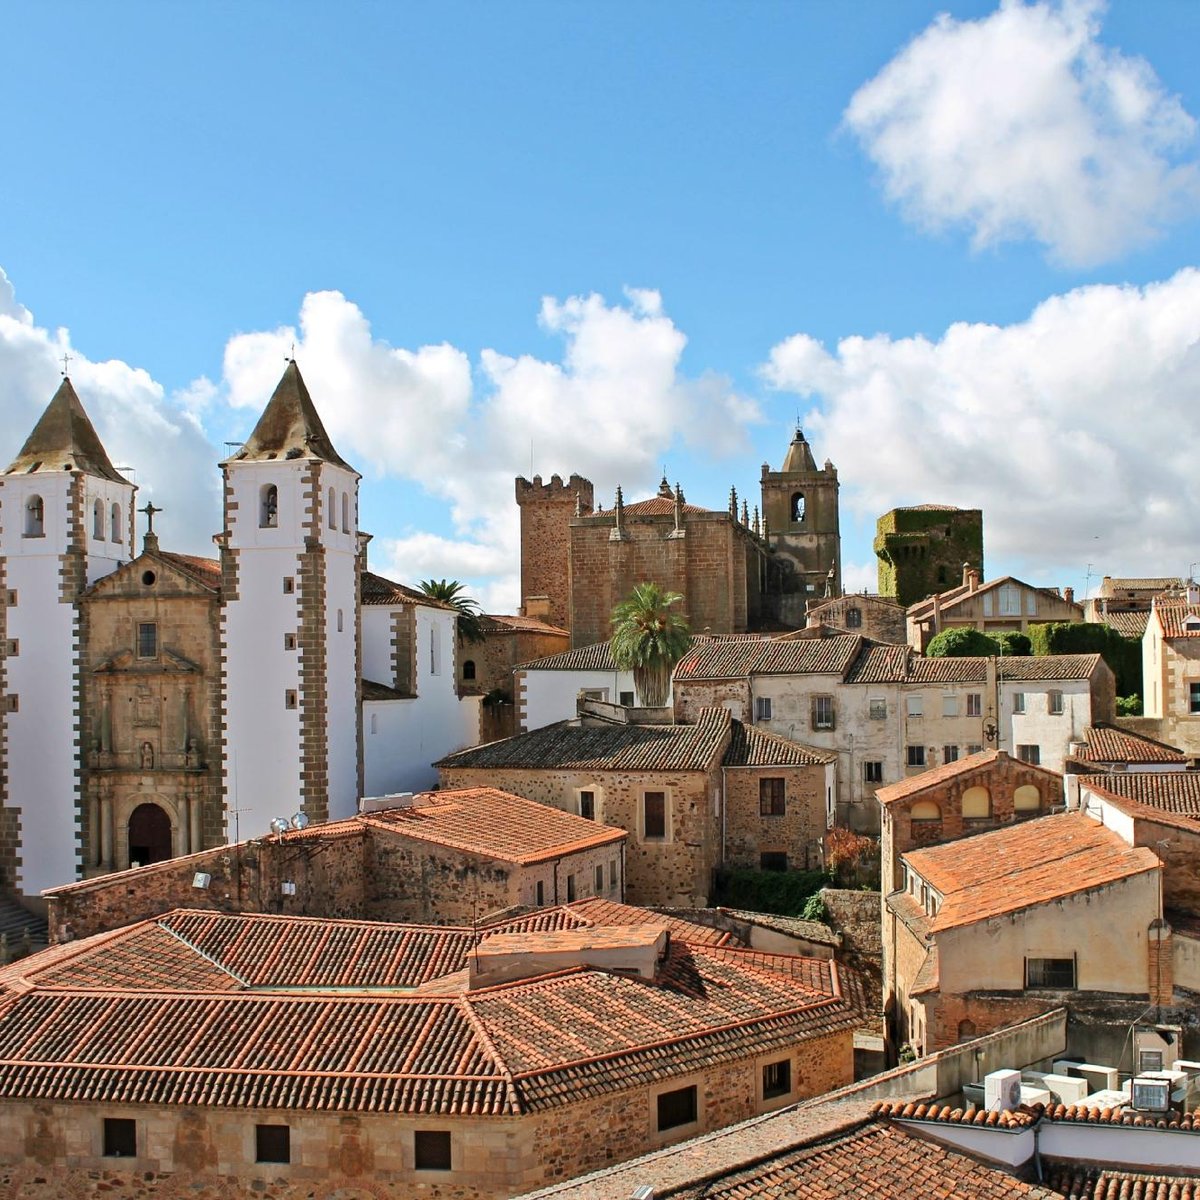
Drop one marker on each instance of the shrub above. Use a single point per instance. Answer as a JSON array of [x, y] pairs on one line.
[[814, 908], [1085, 637], [1013, 644], [1129, 706], [961, 643], [782, 892]]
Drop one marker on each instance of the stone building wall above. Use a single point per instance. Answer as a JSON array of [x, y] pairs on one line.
[[690, 696], [797, 833], [1182, 668], [546, 511], [922, 550]]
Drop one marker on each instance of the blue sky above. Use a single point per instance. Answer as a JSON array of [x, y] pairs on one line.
[[624, 235]]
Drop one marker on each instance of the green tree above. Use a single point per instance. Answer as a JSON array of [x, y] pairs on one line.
[[1013, 644], [470, 629], [961, 643], [649, 639]]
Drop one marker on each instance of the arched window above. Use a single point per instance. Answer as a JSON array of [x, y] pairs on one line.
[[925, 810], [332, 509], [98, 520], [976, 804], [469, 669], [1027, 799], [345, 512], [116, 523], [35, 517], [966, 1029], [268, 515], [797, 506]]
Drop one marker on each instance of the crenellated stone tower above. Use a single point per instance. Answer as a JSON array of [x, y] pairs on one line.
[[546, 512]]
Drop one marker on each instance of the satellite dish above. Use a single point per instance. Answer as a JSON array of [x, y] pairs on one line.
[[299, 821], [280, 825]]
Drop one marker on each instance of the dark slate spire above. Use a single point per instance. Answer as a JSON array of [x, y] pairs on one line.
[[64, 440], [799, 455], [290, 427]]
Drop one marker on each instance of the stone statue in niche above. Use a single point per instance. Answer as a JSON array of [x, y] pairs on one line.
[[191, 757], [147, 757], [94, 752]]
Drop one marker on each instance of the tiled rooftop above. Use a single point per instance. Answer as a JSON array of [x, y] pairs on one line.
[[1162, 794], [384, 691], [1075, 1182], [753, 746], [205, 571], [378, 590], [597, 657], [1112, 744], [80, 1021], [1130, 625], [953, 597], [504, 623], [769, 656], [1179, 619], [937, 776], [1030, 1114], [1020, 866]]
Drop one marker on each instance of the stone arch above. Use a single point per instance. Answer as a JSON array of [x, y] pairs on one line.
[[35, 517], [117, 532], [976, 803], [151, 838], [797, 507], [98, 520], [268, 501], [332, 509], [1027, 799], [966, 1029], [925, 810]]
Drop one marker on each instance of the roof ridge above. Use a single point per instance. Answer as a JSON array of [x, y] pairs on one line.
[[204, 954], [485, 1038]]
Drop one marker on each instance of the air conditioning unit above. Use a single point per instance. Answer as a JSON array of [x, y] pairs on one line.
[[1002, 1090], [1099, 1077], [1063, 1089], [1150, 1095]]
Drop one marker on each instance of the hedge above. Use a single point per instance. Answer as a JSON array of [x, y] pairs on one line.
[[1085, 637], [782, 892]]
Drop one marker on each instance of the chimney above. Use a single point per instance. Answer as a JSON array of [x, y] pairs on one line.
[[971, 577], [1193, 593], [633, 950], [1069, 595]]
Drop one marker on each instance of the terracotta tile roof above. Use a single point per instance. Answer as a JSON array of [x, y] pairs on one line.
[[659, 506], [880, 664], [597, 657], [937, 776], [77, 1023], [596, 911], [378, 590], [901, 664], [1030, 1114], [1158, 795], [1156, 584], [1112, 744], [495, 824], [1077, 1182], [1050, 667], [1179, 620], [753, 746], [498, 623], [769, 656], [382, 691], [868, 598], [1020, 866], [206, 571], [568, 746], [1130, 625]]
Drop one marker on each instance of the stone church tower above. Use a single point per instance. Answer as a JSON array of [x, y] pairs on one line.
[[65, 521], [289, 558], [800, 504]]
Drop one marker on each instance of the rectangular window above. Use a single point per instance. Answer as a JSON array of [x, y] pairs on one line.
[[431, 1149], [289, 585], [1030, 754], [540, 894], [1054, 703], [877, 708], [1194, 697], [676, 1108], [272, 1144], [914, 705], [626, 699], [974, 749], [120, 1137], [854, 618], [777, 1079], [289, 699], [289, 641], [949, 705], [570, 888], [822, 712], [12, 647], [1010, 601], [598, 880], [147, 642], [1018, 702], [762, 708], [654, 816], [11, 597], [587, 805], [1049, 972], [949, 754], [435, 654], [773, 860], [771, 798], [916, 756], [873, 772], [974, 704], [612, 873], [12, 702]]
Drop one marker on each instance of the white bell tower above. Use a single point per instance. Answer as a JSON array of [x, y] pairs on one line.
[[289, 554], [66, 520]]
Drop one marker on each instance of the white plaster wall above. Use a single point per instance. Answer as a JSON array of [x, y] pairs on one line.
[[1108, 815], [1010, 1147], [377, 643], [1154, 671], [1037, 726], [551, 696], [1148, 1149], [1186, 961], [103, 554]]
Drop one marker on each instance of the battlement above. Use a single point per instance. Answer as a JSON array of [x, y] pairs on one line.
[[555, 491]]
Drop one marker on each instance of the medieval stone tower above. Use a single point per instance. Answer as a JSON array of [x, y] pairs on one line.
[[289, 557], [800, 504], [546, 512], [66, 517]]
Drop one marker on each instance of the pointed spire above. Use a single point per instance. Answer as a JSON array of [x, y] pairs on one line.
[[733, 502], [664, 488], [745, 514], [618, 530], [799, 455], [755, 526], [290, 426], [65, 440], [678, 510]]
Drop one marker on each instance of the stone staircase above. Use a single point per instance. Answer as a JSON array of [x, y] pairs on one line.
[[21, 932]]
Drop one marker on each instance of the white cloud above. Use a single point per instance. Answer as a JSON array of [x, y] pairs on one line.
[[1022, 125], [173, 462], [1073, 430]]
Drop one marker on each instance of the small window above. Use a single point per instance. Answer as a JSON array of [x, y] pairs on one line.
[[289, 585], [272, 1144], [949, 754], [35, 517], [654, 816], [116, 523], [974, 704], [12, 647], [822, 712], [762, 708], [925, 810], [1010, 601], [976, 804], [1027, 799], [587, 805], [771, 798], [12, 702], [341, 626], [1030, 754], [374, 722], [798, 507], [570, 888], [435, 653], [916, 756], [289, 698], [777, 1079], [332, 509], [949, 705], [877, 708], [289, 641], [10, 597], [469, 669], [539, 893], [1193, 695], [1054, 703], [598, 880], [873, 772], [914, 705], [854, 618], [1050, 973], [120, 1137], [676, 1108], [98, 520], [147, 640], [613, 876], [345, 512], [268, 507], [627, 699], [1018, 702], [974, 748], [431, 1149], [773, 860]]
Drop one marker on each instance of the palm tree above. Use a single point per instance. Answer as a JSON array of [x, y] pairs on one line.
[[649, 639], [452, 592]]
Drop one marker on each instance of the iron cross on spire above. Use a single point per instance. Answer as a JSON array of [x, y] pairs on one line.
[[66, 361], [150, 510]]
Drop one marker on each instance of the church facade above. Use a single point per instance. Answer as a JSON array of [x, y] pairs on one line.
[[156, 704]]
